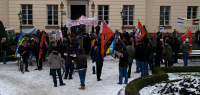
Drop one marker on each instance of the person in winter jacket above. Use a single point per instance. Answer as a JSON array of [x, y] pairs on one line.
[[138, 67], [131, 50], [3, 44], [30, 45], [36, 50], [81, 65], [93, 48], [69, 65], [167, 54], [143, 57], [97, 57], [151, 51], [63, 47], [56, 62], [87, 42], [176, 49], [123, 62], [24, 52], [186, 48], [159, 51]]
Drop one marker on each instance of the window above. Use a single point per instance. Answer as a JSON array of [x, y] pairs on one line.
[[192, 12], [129, 11], [27, 15], [164, 15], [52, 14], [103, 13]]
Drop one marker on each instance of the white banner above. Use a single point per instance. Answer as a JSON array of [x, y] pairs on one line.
[[82, 20], [188, 24]]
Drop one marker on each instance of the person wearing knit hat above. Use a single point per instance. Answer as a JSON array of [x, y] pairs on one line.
[[186, 48], [167, 54]]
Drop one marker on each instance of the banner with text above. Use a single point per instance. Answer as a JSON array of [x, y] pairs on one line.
[[82, 20], [188, 24]]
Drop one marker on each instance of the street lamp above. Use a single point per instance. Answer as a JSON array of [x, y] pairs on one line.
[[61, 8], [122, 17], [93, 8], [20, 15]]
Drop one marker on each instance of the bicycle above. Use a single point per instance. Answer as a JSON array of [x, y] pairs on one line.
[[20, 63]]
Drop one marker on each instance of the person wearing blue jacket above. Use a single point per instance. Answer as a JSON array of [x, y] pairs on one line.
[[97, 57]]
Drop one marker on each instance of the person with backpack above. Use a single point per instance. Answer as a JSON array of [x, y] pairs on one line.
[[56, 62]]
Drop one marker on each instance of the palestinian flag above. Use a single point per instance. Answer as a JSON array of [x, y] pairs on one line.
[[195, 22]]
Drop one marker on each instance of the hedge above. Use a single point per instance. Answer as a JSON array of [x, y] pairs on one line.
[[9, 58], [159, 75], [8, 53]]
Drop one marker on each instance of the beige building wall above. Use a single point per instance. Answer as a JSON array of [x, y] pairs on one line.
[[178, 9], [147, 11], [39, 13], [4, 9], [115, 7]]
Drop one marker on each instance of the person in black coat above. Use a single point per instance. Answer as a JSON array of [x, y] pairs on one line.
[[143, 58], [24, 52], [87, 42], [69, 65], [63, 47], [159, 50], [93, 48], [176, 49], [97, 29], [123, 62], [36, 50]]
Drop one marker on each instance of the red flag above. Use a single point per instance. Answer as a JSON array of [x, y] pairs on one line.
[[108, 34], [188, 35], [153, 34], [41, 44], [141, 32]]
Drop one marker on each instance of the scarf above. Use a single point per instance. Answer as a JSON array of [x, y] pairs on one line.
[[24, 45], [46, 44]]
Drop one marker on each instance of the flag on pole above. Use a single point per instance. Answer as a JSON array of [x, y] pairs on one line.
[[41, 44], [93, 42], [153, 34], [188, 36], [19, 42], [108, 33], [140, 32], [112, 46]]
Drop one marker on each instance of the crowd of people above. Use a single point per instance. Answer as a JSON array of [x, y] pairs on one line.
[[75, 49]]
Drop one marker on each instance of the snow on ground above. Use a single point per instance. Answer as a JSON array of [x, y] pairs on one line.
[[13, 82], [152, 90]]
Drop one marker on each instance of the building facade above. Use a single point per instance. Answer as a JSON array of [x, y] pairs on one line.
[[45, 14]]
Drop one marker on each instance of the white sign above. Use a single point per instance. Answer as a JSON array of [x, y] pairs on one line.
[[82, 20], [161, 29]]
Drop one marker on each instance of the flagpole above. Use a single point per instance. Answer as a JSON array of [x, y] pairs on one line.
[[149, 38], [121, 41], [183, 35]]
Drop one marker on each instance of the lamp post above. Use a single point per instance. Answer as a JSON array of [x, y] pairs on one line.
[[20, 15], [122, 17], [93, 8], [61, 8]]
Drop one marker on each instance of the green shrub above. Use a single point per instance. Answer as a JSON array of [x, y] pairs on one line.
[[9, 58], [159, 75]]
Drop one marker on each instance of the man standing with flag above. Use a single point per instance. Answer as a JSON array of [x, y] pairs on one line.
[[24, 52]]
